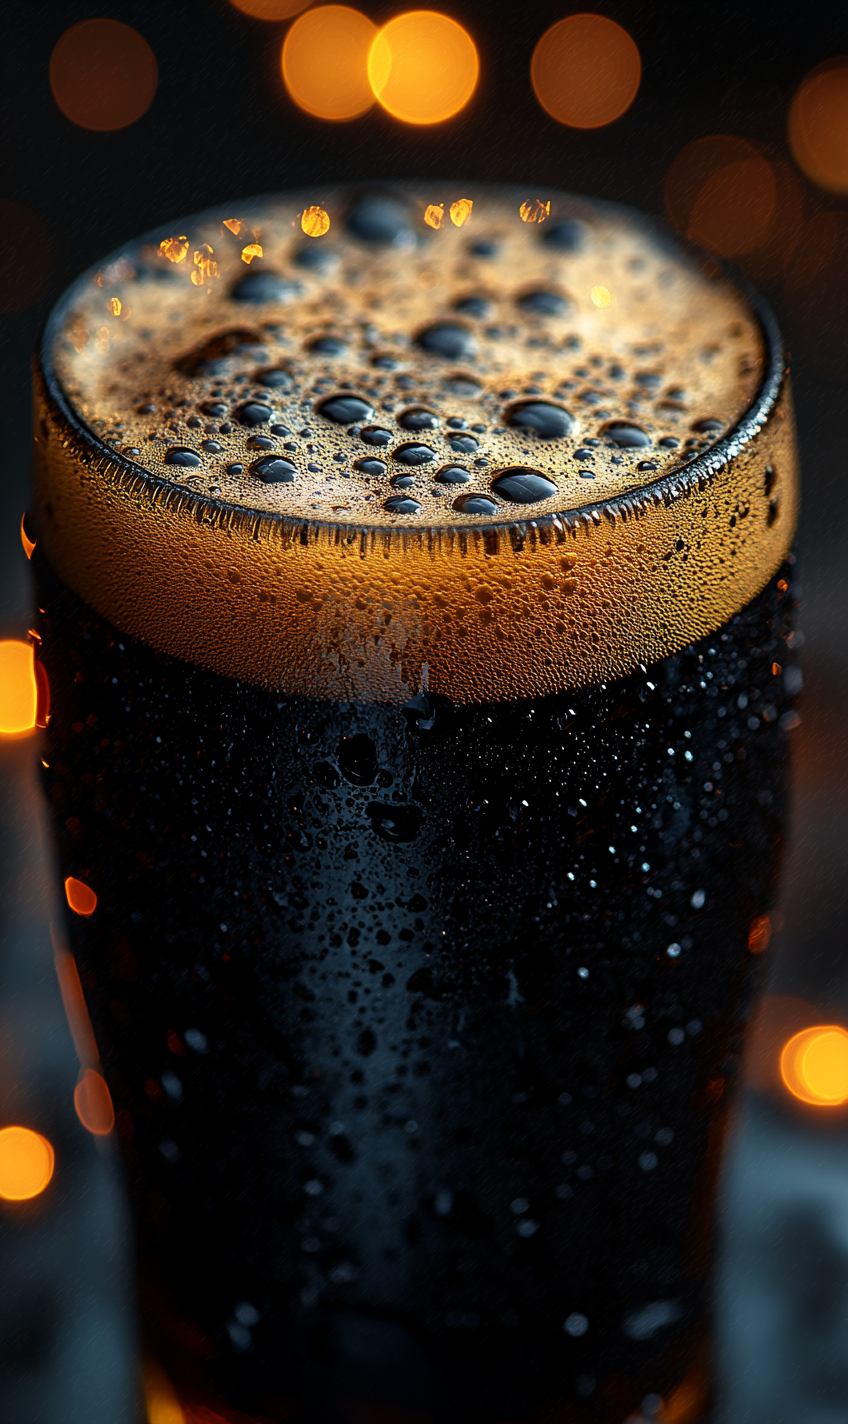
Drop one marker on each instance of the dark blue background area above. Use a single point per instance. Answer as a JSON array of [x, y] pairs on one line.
[[222, 126]]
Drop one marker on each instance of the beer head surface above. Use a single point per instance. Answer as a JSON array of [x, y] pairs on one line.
[[491, 460]]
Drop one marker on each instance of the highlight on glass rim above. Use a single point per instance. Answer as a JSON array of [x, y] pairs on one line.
[[421, 760]]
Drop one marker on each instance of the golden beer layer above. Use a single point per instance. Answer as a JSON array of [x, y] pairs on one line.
[[664, 456]]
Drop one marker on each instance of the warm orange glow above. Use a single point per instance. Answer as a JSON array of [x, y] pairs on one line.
[[80, 896], [460, 211], [535, 210], [28, 544], [234, 224], [270, 9], [423, 67], [18, 688], [174, 248], [759, 934], [103, 74], [207, 268], [160, 1401], [814, 1065], [75, 1008], [93, 1103], [586, 71], [434, 216], [325, 62], [721, 192], [601, 296], [252, 250], [26, 1163], [818, 125], [115, 306], [315, 221]]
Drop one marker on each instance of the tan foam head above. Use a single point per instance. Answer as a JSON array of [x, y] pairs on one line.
[[502, 457]]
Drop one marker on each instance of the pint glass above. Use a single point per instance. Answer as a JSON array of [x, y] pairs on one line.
[[416, 602]]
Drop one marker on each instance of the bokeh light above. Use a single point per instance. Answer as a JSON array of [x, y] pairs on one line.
[[535, 210], [80, 897], [423, 67], [26, 1163], [814, 1065], [24, 256], [759, 934], [722, 193], [93, 1103], [325, 62], [586, 71], [460, 211], [103, 75], [315, 221], [818, 125], [76, 1011], [160, 1401], [27, 544], [601, 296], [270, 9], [18, 688]]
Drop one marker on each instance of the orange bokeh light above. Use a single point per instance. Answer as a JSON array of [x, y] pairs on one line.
[[26, 1163], [423, 67], [27, 544], [18, 688], [93, 1103], [325, 62], [814, 1065], [586, 71], [721, 192], [80, 897], [103, 75], [270, 9], [818, 125]]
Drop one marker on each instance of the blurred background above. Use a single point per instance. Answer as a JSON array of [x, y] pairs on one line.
[[730, 120]]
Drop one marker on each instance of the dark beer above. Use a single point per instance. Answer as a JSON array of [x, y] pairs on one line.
[[417, 612]]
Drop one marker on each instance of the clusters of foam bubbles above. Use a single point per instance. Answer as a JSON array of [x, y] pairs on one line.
[[395, 456]]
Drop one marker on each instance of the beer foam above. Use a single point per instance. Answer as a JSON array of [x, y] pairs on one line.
[[493, 459]]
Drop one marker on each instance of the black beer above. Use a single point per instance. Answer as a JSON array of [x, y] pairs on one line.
[[429, 800]]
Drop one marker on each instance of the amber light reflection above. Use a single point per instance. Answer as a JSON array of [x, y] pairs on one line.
[[270, 9], [721, 192], [18, 688], [26, 1163], [93, 1103], [325, 62], [80, 896], [103, 74], [423, 67], [818, 125], [586, 71], [814, 1065]]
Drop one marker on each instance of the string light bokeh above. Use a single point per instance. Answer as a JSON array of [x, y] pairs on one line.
[[325, 62], [18, 688], [586, 71], [818, 125], [814, 1066], [423, 67], [103, 75], [27, 1163], [273, 10]]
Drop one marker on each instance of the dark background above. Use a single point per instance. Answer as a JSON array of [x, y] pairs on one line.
[[221, 126]]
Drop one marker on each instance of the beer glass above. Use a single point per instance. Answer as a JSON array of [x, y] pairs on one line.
[[416, 599]]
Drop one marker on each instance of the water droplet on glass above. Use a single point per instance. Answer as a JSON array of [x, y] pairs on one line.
[[404, 481], [345, 409], [394, 823], [453, 475], [260, 287], [523, 486], [626, 437], [212, 447], [379, 219], [357, 758], [418, 419], [706, 427], [645, 465], [464, 444], [566, 235], [543, 302], [475, 306], [180, 455], [447, 339], [475, 504], [260, 442], [669, 442], [274, 470], [328, 346], [371, 467], [375, 435], [274, 377], [402, 504], [316, 258], [465, 387], [252, 413], [550, 422], [411, 454]]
